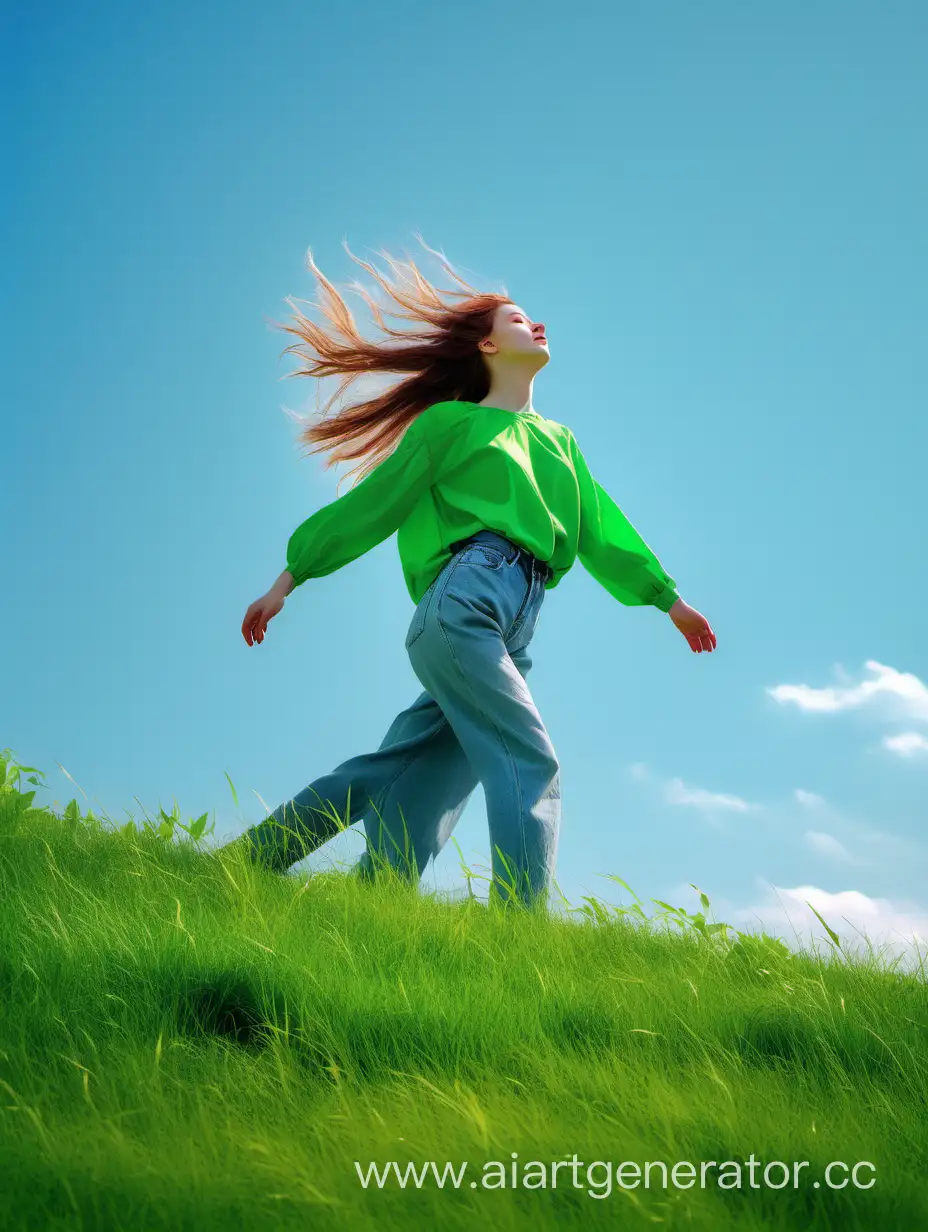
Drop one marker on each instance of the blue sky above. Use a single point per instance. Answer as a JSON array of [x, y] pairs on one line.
[[717, 210]]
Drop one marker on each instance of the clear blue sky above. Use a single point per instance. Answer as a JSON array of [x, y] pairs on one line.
[[719, 212]]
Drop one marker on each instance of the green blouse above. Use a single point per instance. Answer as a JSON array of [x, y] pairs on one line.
[[461, 467]]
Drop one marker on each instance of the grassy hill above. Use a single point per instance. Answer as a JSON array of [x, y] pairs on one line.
[[187, 1042]]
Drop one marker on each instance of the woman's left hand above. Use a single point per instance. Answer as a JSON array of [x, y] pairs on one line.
[[258, 614], [694, 627]]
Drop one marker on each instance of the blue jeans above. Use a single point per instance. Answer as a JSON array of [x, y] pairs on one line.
[[475, 722]]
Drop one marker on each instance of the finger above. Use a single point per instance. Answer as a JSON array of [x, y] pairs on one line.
[[247, 623]]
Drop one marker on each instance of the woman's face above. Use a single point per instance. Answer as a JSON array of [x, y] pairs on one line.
[[516, 335]]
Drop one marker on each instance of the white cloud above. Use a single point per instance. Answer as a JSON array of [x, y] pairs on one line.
[[899, 926], [905, 693], [907, 744], [828, 845], [896, 928], [676, 792]]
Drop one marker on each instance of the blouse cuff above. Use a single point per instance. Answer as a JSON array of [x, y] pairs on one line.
[[665, 598]]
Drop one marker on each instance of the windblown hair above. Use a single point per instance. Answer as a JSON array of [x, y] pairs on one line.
[[443, 359]]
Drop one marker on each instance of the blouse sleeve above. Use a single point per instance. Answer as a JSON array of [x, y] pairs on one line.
[[352, 524], [612, 551]]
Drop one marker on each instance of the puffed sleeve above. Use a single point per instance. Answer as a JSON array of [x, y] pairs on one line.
[[612, 551], [352, 524]]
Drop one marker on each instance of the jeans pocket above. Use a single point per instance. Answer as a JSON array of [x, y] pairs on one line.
[[417, 624], [483, 555]]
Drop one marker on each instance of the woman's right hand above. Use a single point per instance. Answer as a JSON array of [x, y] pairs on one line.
[[694, 627], [258, 614]]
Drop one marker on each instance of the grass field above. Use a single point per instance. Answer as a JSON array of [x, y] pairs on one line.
[[187, 1042]]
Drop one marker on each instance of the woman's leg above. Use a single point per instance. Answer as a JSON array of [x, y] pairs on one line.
[[419, 772], [460, 650], [412, 791], [419, 808], [418, 812]]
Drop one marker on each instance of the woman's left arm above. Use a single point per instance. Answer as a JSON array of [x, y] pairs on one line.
[[612, 551]]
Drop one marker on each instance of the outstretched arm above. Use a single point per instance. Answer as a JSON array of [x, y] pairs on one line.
[[612, 551], [352, 524], [349, 526], [619, 559]]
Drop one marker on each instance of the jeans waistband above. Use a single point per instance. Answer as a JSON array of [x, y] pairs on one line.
[[513, 551]]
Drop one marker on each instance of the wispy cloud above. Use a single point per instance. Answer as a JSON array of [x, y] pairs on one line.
[[709, 803], [828, 845], [904, 692], [833, 833], [821, 841], [907, 744], [862, 842], [808, 799], [676, 792]]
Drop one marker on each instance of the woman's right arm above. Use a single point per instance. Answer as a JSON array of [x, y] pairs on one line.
[[283, 585], [349, 526], [352, 524]]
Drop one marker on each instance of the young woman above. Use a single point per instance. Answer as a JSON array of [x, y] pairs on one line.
[[493, 503]]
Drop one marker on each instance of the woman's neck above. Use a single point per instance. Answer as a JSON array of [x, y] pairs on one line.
[[501, 403]]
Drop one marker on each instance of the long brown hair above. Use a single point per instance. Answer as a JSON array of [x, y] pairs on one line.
[[443, 359]]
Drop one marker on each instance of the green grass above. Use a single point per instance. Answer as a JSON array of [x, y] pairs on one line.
[[188, 1042]]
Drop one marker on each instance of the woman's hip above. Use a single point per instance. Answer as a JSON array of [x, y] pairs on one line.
[[490, 589]]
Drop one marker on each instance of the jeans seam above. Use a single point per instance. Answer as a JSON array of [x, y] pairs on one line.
[[440, 585], [406, 765], [378, 803], [519, 620]]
